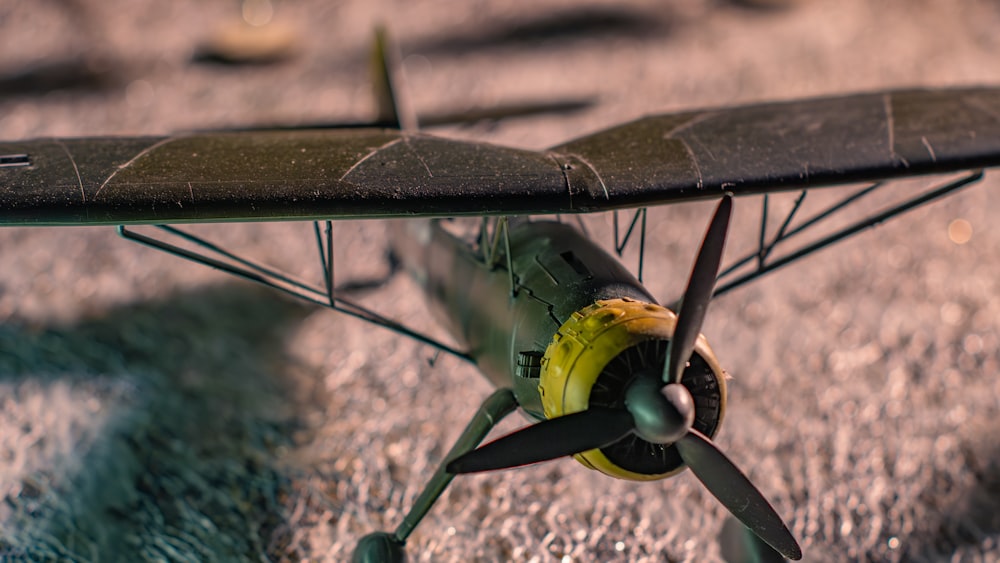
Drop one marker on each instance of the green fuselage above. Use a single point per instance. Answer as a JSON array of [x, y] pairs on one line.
[[557, 271]]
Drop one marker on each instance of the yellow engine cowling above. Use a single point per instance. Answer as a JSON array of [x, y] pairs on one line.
[[602, 346]]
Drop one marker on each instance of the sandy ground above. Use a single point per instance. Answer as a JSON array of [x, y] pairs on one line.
[[152, 409]]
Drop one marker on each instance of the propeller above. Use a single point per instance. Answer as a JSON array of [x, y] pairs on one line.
[[701, 285], [557, 437], [659, 409]]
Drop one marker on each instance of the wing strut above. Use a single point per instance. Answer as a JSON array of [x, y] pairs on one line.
[[217, 257], [489, 243], [763, 253], [622, 242]]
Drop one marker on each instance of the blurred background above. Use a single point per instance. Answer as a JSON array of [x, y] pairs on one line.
[[154, 409]]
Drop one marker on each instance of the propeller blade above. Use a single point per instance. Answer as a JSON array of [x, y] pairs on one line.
[[735, 491], [699, 291], [557, 437]]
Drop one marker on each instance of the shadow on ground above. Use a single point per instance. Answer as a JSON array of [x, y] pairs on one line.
[[149, 432], [973, 521], [557, 27]]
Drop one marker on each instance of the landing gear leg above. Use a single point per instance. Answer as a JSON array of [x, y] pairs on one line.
[[383, 547]]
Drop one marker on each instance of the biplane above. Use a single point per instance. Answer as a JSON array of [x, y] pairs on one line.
[[569, 336]]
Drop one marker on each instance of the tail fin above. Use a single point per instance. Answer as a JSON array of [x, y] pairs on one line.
[[387, 82]]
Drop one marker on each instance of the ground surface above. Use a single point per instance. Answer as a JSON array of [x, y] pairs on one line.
[[151, 409]]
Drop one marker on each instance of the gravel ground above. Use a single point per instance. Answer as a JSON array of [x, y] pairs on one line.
[[153, 409]]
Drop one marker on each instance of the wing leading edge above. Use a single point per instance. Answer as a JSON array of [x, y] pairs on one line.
[[369, 173]]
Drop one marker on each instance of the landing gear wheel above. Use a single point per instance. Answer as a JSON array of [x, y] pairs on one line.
[[379, 547]]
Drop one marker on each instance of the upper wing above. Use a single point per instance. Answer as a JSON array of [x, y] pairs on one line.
[[362, 173]]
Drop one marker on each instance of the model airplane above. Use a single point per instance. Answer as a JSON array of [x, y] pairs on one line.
[[628, 387]]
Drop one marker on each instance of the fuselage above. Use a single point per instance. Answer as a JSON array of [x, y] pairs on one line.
[[557, 272]]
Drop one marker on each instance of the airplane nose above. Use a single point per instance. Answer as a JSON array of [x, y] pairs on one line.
[[662, 416]]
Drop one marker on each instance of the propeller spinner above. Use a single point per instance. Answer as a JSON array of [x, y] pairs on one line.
[[658, 409]]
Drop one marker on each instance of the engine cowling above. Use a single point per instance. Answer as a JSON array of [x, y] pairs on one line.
[[594, 356]]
